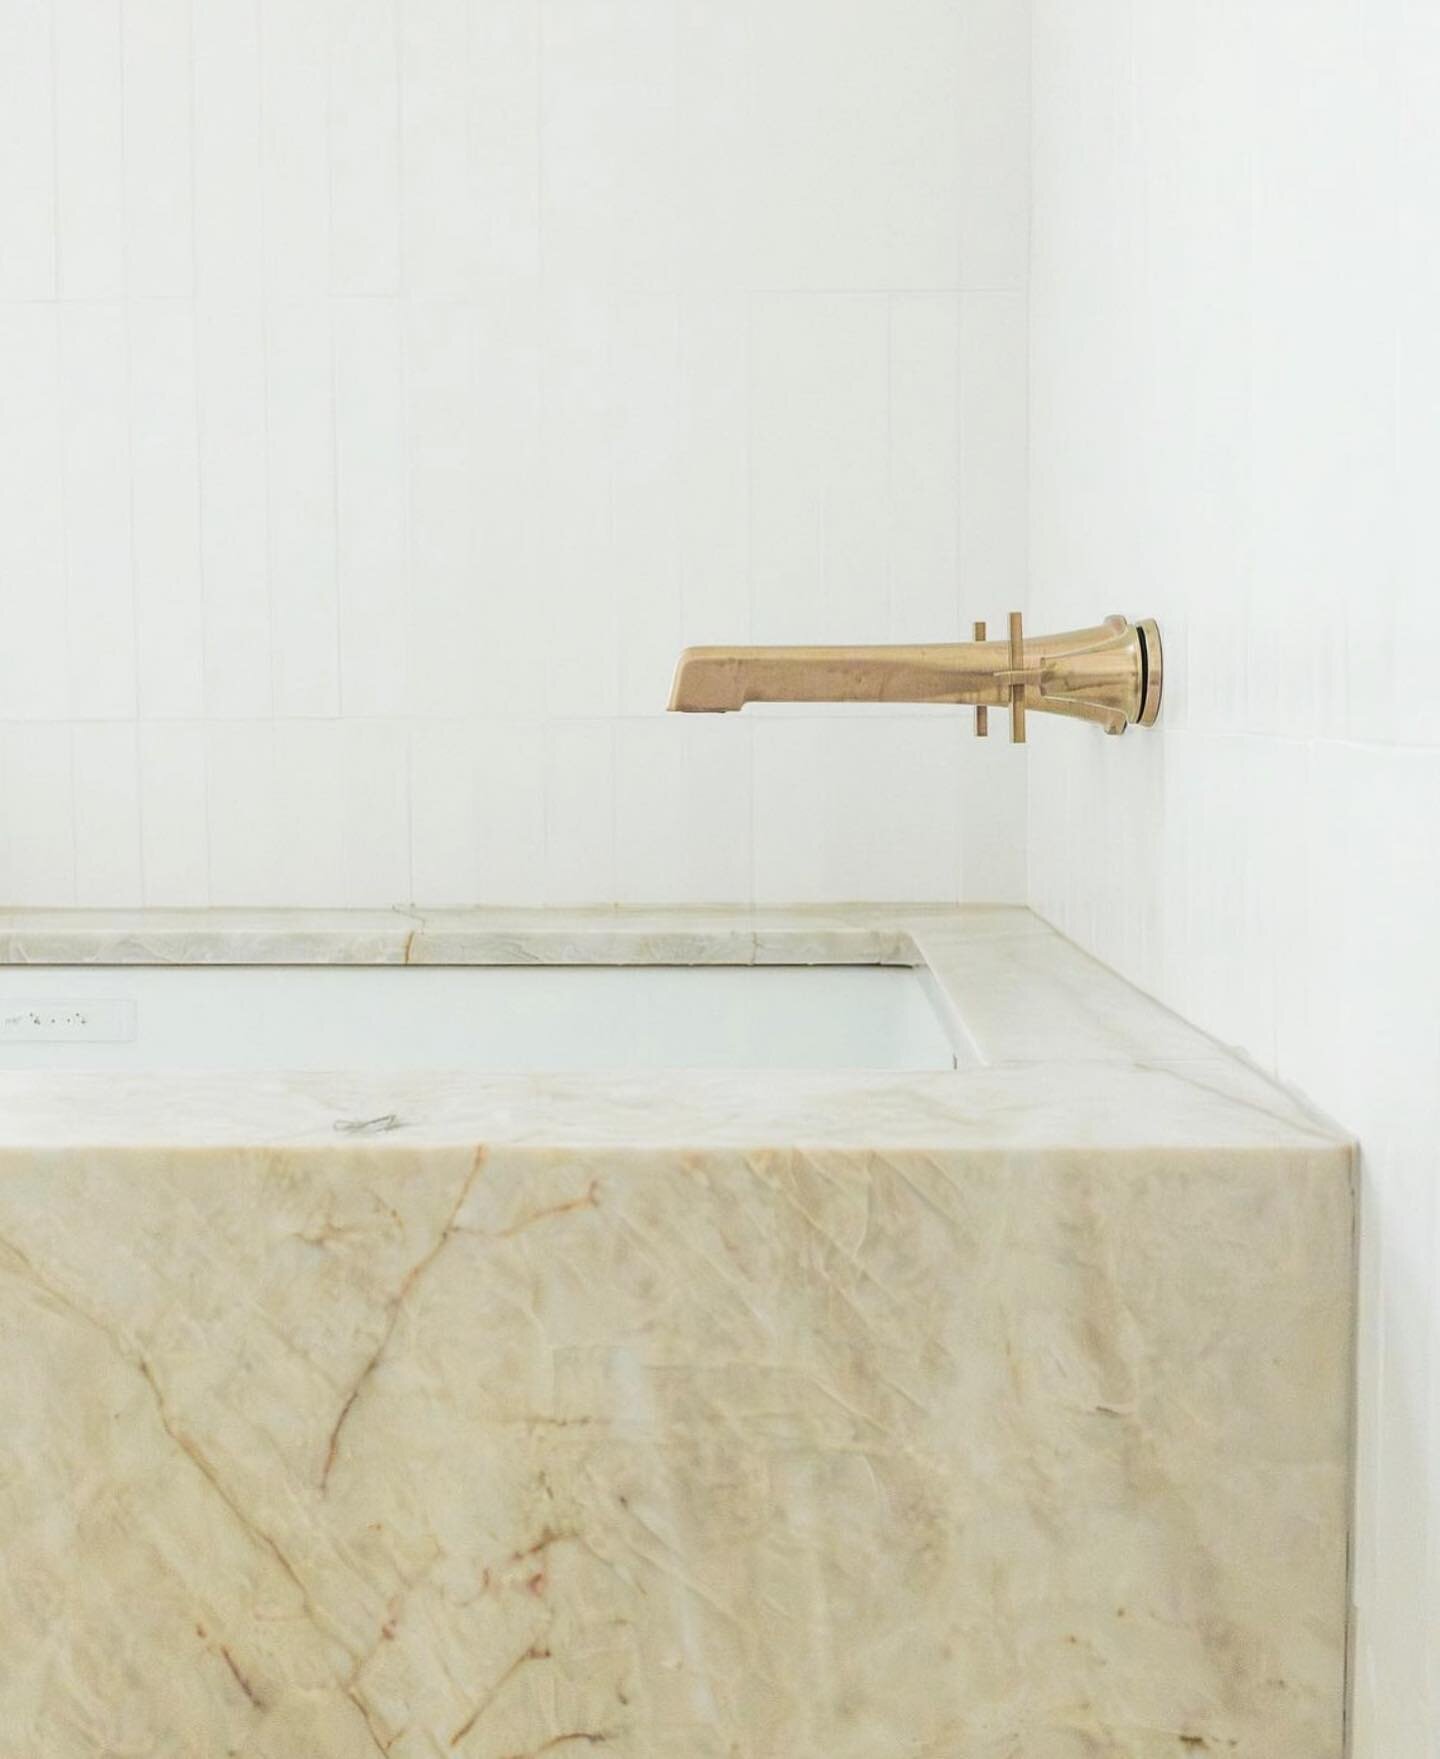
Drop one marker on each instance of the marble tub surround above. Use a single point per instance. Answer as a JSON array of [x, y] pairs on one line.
[[205, 937], [607, 936], [1001, 1414]]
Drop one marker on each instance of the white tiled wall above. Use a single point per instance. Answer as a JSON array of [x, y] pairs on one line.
[[1236, 428], [389, 388]]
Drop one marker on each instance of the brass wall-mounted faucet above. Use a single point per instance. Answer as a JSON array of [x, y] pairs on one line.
[[1111, 675]]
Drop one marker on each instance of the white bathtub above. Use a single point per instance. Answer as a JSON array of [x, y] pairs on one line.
[[212, 1018]]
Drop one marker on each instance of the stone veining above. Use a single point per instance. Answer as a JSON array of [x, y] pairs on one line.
[[392, 1319], [974, 1417]]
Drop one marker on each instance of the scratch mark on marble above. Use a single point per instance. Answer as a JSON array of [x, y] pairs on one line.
[[535, 1652], [369, 1126], [595, 1740], [380, 1746], [392, 1319], [241, 1680], [548, 1538]]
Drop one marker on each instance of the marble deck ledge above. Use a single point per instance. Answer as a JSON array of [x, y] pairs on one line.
[[1110, 1109], [681, 936], [1002, 1414]]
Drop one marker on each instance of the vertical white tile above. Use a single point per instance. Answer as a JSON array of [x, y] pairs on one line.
[[925, 467], [300, 498], [714, 498], [40, 800], [440, 224], [833, 204], [7, 815], [89, 155], [479, 811], [506, 664], [371, 558], [107, 815], [470, 150], [1415, 620], [27, 157], [577, 532], [645, 363], [509, 804], [652, 828], [477, 804], [990, 792], [1414, 611], [819, 469], [683, 810], [1364, 799], [309, 803], [715, 149], [157, 71], [229, 258], [504, 87], [855, 807], [165, 510], [294, 149], [1135, 826], [33, 667], [364, 131], [993, 455], [442, 419], [374, 813], [95, 404], [610, 189], [174, 813], [580, 812], [992, 107], [446, 850], [240, 790], [234, 510]]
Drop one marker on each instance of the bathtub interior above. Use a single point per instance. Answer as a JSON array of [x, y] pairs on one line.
[[483, 1018]]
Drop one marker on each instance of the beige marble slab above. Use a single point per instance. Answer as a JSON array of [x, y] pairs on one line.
[[719, 936], [205, 937], [995, 1415]]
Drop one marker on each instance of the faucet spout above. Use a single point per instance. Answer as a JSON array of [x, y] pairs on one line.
[[1111, 675]]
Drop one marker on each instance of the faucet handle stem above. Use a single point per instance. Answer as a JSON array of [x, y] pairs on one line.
[[1017, 685]]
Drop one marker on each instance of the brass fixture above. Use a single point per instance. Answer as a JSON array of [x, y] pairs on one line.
[[1111, 675]]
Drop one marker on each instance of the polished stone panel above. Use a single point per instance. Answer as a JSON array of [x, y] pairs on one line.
[[994, 1415]]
